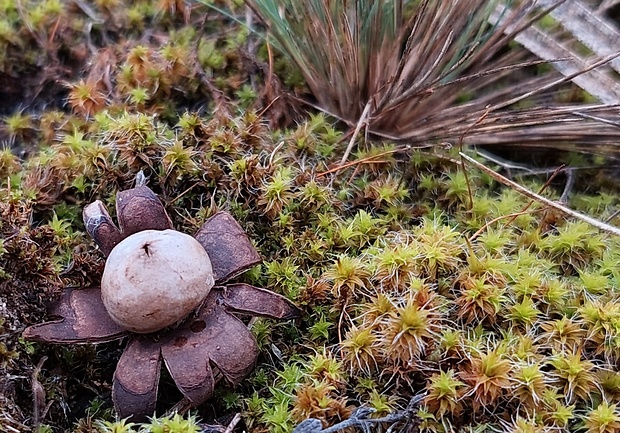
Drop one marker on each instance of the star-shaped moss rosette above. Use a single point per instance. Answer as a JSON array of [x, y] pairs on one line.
[[167, 292]]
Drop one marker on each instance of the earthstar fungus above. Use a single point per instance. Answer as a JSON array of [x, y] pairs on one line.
[[168, 293]]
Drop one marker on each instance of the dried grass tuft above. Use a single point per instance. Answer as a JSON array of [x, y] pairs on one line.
[[433, 71]]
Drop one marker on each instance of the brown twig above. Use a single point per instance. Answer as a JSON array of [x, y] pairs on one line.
[[461, 138], [363, 160], [499, 218]]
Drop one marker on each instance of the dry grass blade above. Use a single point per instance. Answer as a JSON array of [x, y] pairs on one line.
[[593, 32], [426, 69], [606, 5], [532, 195]]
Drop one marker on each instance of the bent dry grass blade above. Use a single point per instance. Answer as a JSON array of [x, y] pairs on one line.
[[532, 195]]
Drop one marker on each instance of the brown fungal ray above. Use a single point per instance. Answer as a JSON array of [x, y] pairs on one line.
[[258, 302], [229, 343], [186, 354], [228, 246], [136, 379], [100, 227], [139, 209], [84, 320]]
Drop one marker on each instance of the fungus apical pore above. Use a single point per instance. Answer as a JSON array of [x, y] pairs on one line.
[[154, 278]]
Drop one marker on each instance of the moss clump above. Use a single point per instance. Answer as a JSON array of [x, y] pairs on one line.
[[404, 289]]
